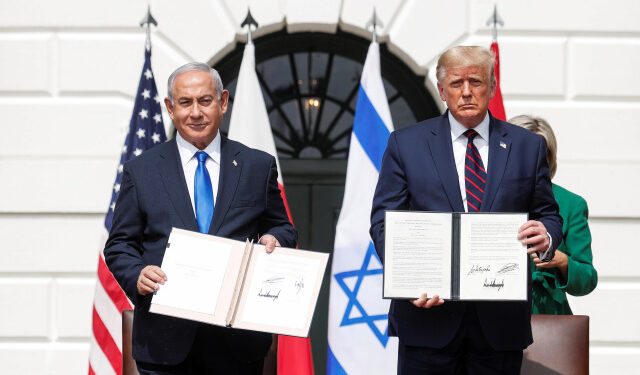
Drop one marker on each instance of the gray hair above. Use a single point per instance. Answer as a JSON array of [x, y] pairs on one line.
[[462, 56], [195, 66], [541, 127]]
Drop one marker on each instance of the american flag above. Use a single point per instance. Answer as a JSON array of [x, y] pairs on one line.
[[146, 130]]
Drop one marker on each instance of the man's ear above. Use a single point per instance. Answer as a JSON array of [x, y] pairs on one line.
[[169, 105], [224, 100], [441, 92], [494, 85]]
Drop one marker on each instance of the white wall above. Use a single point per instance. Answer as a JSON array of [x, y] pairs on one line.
[[69, 70]]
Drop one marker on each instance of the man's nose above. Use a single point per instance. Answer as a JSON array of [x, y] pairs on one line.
[[466, 88], [195, 110]]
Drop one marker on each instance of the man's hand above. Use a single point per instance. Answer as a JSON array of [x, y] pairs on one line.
[[534, 233], [270, 242], [149, 279], [427, 303]]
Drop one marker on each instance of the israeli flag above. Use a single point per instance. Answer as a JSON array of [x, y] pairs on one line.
[[358, 341]]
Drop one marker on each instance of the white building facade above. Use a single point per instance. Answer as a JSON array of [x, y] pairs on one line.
[[69, 70]]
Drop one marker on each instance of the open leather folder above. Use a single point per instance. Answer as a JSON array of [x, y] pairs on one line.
[[237, 284]]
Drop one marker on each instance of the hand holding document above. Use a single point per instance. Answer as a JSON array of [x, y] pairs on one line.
[[231, 283], [457, 256]]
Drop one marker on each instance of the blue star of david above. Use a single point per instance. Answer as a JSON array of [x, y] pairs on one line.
[[365, 318]]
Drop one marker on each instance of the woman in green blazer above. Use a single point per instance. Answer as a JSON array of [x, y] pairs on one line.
[[571, 269]]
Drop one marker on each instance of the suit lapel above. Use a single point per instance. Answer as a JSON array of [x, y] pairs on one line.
[[174, 183], [230, 169], [439, 143], [499, 147]]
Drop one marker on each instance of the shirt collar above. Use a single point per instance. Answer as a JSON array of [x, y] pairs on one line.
[[457, 129], [187, 150]]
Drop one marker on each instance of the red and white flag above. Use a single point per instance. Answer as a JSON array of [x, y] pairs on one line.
[[250, 125], [496, 106], [146, 130]]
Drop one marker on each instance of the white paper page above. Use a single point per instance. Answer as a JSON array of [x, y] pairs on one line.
[[417, 254], [493, 262], [195, 270], [281, 290]]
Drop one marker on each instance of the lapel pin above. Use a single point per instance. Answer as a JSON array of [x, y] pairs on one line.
[[503, 145], [235, 164]]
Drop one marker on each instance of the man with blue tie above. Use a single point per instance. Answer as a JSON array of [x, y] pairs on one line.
[[199, 181], [466, 160]]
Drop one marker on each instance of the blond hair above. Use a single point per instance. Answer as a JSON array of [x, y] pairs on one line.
[[462, 56], [541, 127]]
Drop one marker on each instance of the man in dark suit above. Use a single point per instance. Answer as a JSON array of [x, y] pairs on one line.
[[466, 160], [175, 185]]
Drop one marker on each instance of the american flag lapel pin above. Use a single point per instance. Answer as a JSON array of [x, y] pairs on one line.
[[235, 163], [503, 145]]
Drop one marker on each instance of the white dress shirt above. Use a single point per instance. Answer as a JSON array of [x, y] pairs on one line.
[[190, 164], [459, 141]]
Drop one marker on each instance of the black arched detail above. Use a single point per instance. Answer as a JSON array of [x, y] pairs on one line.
[[310, 84]]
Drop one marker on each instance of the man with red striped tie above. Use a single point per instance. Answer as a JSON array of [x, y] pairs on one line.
[[466, 160]]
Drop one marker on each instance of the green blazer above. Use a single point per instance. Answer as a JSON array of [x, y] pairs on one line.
[[549, 288]]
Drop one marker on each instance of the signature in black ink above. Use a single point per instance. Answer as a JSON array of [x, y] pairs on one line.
[[492, 283], [476, 268], [273, 280], [508, 268], [269, 294]]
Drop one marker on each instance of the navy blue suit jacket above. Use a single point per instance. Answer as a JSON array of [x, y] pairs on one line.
[[418, 173], [153, 199]]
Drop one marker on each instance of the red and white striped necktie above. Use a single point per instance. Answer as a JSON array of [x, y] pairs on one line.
[[475, 175]]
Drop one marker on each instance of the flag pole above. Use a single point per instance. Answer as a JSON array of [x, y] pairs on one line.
[[249, 124], [146, 130], [373, 24], [146, 22], [495, 20], [357, 337], [249, 21], [496, 105]]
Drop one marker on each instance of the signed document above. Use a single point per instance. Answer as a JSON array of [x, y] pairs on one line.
[[237, 284], [458, 256]]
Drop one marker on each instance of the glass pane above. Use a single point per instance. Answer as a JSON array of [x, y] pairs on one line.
[[302, 70], [354, 101], [342, 127], [388, 88], [267, 98], [292, 112], [329, 113], [310, 72], [279, 126], [344, 75], [285, 151], [310, 152], [311, 106], [318, 69], [401, 114], [231, 87], [341, 144], [276, 72]]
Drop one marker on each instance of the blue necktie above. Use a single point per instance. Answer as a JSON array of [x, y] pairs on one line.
[[203, 194], [475, 175]]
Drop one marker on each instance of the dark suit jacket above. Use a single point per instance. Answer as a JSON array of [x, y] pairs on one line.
[[418, 173], [153, 199]]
